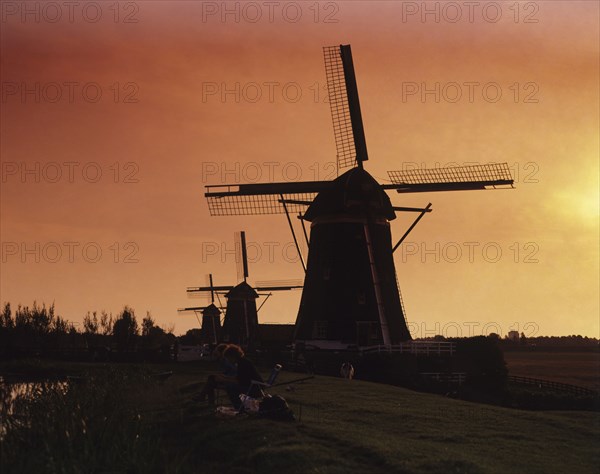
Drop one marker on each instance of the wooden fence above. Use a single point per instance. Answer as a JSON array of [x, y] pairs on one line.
[[415, 347], [549, 384]]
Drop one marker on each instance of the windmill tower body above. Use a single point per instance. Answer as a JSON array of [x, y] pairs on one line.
[[241, 317], [211, 324], [350, 294]]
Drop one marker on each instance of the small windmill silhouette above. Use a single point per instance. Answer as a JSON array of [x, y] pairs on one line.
[[211, 317], [240, 325]]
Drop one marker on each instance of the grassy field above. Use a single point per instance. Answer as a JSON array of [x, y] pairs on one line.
[[577, 368], [345, 427]]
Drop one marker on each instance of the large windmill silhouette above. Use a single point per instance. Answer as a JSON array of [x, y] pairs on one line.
[[241, 325], [351, 295]]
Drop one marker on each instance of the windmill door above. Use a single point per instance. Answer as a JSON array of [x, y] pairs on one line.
[[366, 333]]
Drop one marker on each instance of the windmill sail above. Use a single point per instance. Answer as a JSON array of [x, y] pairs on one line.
[[455, 178], [209, 289], [345, 107], [261, 198], [241, 257], [264, 286]]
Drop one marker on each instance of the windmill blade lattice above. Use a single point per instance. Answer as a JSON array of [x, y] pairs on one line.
[[345, 108], [278, 285], [338, 103], [451, 178], [262, 198]]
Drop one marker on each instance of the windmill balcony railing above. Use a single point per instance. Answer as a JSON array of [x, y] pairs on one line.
[[415, 347]]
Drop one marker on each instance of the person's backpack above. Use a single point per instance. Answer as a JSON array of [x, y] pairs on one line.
[[276, 408]]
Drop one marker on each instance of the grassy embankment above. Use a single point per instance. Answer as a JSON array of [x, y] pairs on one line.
[[121, 421]]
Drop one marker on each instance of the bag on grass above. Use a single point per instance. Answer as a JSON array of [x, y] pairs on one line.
[[251, 405], [276, 408], [226, 412]]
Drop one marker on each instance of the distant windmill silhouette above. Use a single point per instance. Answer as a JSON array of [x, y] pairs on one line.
[[211, 317], [240, 325], [351, 295]]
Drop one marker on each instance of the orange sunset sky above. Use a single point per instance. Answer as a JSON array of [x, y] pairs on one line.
[[116, 115]]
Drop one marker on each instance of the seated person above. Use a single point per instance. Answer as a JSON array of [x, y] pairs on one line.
[[222, 380], [246, 373]]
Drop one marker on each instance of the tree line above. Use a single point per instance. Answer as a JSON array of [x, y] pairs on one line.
[[39, 330]]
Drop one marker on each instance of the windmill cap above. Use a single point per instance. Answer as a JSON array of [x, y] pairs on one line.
[[243, 291], [354, 193], [210, 309]]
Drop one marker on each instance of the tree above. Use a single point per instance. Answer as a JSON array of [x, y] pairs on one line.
[[41, 318], [90, 323], [125, 329], [191, 338], [61, 326], [147, 324], [106, 323], [6, 320]]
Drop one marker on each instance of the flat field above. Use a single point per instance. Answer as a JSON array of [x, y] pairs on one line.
[[576, 368]]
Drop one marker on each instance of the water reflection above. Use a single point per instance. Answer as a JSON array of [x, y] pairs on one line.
[[17, 396]]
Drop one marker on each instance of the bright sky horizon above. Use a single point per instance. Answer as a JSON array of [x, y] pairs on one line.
[[116, 115]]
